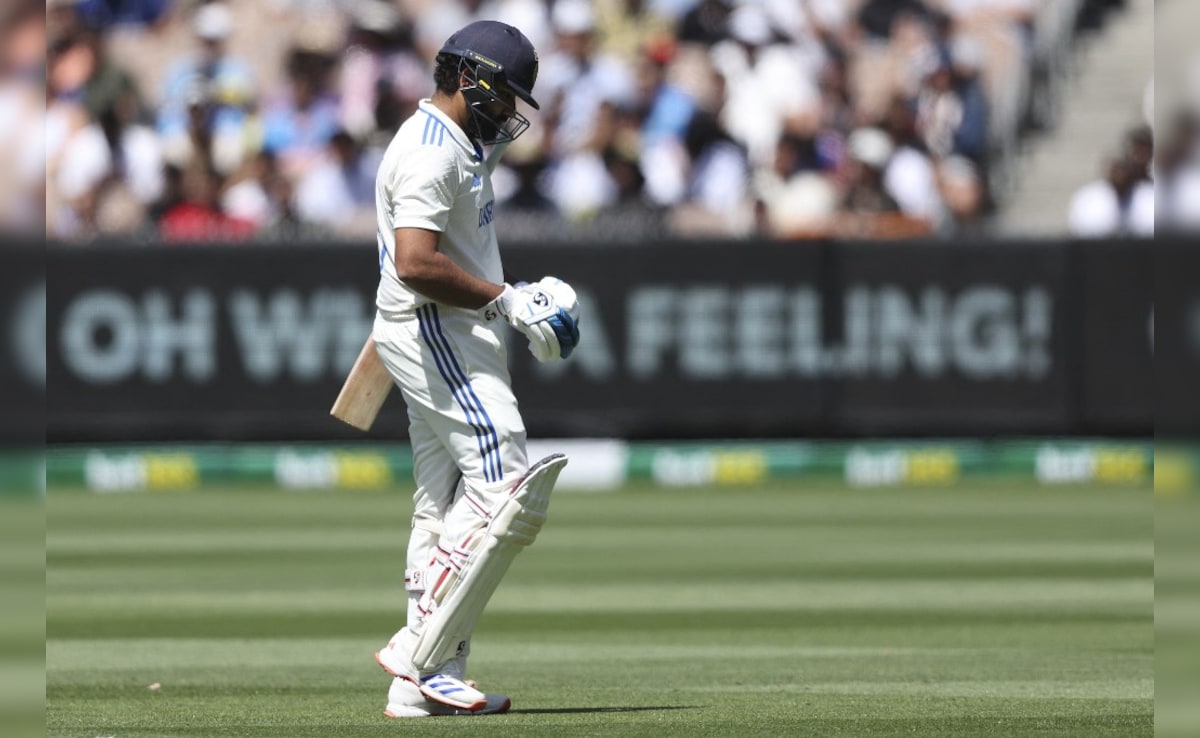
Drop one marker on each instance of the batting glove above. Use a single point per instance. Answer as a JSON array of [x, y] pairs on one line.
[[553, 332]]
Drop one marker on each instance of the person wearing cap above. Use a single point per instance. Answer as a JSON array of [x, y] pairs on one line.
[[870, 150], [212, 85], [443, 302]]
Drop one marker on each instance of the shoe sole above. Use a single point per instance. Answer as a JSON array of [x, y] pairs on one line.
[[471, 707], [416, 712]]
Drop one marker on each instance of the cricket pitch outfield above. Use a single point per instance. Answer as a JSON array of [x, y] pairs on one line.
[[785, 609]]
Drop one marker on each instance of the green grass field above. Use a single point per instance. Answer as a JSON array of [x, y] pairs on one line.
[[780, 610]]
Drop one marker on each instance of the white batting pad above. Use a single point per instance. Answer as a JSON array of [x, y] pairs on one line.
[[512, 525]]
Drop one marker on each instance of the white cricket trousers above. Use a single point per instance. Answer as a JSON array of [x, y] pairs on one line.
[[464, 425]]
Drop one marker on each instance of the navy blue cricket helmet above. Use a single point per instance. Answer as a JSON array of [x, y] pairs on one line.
[[496, 56]]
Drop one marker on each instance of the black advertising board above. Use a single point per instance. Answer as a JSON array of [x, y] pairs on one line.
[[1177, 339], [22, 342], [960, 335], [1116, 335], [683, 339], [203, 342], [713, 339]]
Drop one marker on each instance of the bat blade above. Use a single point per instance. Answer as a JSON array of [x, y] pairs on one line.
[[366, 387]]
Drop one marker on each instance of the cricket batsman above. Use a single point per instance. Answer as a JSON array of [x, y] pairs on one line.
[[443, 302]]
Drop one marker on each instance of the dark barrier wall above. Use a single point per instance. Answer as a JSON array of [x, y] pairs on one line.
[[1177, 339], [22, 343], [679, 340]]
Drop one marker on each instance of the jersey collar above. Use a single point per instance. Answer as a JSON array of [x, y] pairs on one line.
[[459, 136]]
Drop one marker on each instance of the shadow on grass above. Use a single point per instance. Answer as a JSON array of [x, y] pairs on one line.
[[581, 710]]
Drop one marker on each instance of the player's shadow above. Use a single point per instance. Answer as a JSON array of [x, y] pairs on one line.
[[581, 710]]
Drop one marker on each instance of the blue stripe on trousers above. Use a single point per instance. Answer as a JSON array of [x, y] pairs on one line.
[[456, 390], [494, 450]]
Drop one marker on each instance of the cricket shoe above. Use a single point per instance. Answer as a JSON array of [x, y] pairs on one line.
[[394, 659], [449, 690], [406, 700]]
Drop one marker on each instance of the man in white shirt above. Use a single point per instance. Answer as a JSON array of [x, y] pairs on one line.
[[442, 299], [1118, 205]]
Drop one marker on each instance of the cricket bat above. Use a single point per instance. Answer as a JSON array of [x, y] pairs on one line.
[[366, 387]]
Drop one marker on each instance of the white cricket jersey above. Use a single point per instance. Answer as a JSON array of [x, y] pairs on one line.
[[433, 177]]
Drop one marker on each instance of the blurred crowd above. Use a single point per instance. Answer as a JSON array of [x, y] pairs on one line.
[[1142, 190], [184, 120]]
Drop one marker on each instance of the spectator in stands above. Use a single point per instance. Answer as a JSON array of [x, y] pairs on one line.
[[1177, 174], [578, 79], [136, 150], [521, 173], [706, 23], [579, 183], [961, 188], [583, 88], [837, 105], [84, 71], [913, 51], [797, 195], [909, 173], [869, 210], [1139, 149], [1117, 205], [626, 27], [78, 157], [339, 191], [198, 217], [301, 118], [63, 21], [716, 198], [631, 216], [22, 117], [440, 19], [381, 76], [528, 213], [128, 176], [665, 109], [247, 195], [939, 109], [811, 23], [172, 193], [870, 151], [1017, 15], [878, 18], [261, 195], [213, 84], [624, 80], [971, 134], [754, 64]]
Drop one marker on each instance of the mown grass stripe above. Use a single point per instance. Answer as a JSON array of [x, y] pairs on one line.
[[773, 611]]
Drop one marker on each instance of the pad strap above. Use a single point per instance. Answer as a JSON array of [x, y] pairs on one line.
[[433, 526]]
